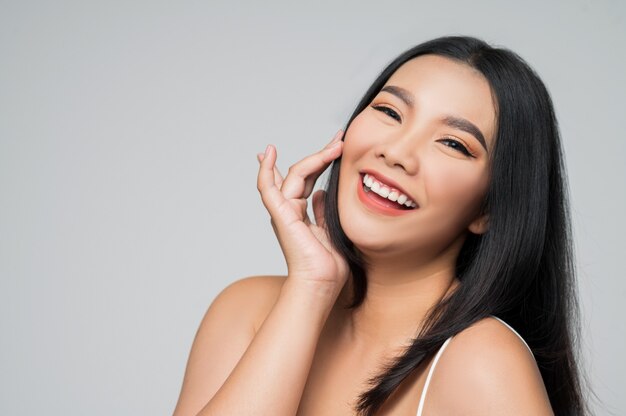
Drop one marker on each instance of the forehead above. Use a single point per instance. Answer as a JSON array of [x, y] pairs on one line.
[[445, 87]]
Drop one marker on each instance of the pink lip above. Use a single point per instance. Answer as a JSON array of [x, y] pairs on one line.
[[378, 204], [387, 181]]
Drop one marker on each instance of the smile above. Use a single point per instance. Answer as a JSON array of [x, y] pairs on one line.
[[383, 198], [371, 183]]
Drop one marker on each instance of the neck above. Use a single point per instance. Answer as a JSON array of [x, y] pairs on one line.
[[399, 295]]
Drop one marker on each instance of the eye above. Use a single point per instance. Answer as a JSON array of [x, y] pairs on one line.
[[387, 111], [456, 145]]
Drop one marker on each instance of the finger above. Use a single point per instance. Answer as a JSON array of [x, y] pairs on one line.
[[267, 160], [338, 136], [279, 208], [301, 177], [301, 206], [278, 177], [319, 197], [266, 183]]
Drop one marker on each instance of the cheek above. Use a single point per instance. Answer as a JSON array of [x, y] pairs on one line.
[[461, 189], [358, 141], [362, 134]]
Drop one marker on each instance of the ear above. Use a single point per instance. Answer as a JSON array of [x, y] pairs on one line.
[[480, 225]]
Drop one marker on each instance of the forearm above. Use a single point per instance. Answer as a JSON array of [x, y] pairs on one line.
[[270, 376]]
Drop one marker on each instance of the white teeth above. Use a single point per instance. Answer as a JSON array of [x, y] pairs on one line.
[[385, 192]]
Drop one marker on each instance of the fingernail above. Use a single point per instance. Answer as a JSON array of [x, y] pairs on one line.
[[267, 150], [337, 136], [334, 144]]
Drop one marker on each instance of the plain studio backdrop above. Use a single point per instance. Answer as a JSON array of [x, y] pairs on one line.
[[128, 135]]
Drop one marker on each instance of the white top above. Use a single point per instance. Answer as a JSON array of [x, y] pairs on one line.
[[420, 408]]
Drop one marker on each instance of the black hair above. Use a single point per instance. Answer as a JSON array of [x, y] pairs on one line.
[[522, 268]]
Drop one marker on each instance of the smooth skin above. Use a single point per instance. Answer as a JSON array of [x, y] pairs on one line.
[[271, 345]]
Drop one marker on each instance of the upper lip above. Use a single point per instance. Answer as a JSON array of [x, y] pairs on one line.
[[387, 181]]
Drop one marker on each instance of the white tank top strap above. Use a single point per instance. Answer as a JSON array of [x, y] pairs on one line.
[[515, 332], [420, 408]]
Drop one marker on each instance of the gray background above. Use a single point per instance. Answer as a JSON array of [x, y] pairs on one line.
[[128, 134]]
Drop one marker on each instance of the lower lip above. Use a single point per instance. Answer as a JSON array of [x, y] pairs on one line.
[[379, 204]]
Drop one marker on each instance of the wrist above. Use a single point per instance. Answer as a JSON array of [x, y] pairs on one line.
[[318, 293]]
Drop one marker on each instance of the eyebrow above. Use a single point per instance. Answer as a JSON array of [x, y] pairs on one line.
[[466, 126], [401, 93], [451, 121]]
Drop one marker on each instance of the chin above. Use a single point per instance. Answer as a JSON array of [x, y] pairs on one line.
[[367, 239]]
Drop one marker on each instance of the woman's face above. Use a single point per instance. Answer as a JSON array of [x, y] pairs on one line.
[[426, 138]]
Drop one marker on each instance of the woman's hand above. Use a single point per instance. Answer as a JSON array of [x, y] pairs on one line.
[[305, 245]]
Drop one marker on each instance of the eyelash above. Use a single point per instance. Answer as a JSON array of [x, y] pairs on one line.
[[388, 111], [454, 144]]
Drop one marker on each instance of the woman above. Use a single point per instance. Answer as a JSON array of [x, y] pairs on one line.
[[443, 227]]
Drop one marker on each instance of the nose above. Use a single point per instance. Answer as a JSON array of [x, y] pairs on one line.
[[400, 151]]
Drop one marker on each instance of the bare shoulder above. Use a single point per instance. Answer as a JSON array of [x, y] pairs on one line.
[[228, 327], [487, 370], [250, 298]]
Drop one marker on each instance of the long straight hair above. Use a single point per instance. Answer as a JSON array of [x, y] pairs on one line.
[[522, 268]]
